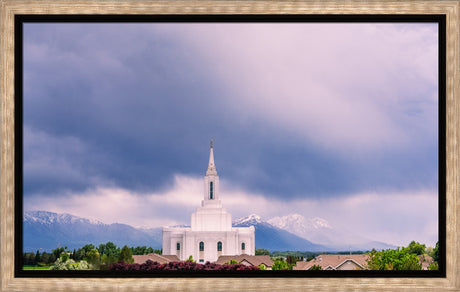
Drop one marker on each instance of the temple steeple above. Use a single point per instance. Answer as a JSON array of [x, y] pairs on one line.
[[211, 166], [211, 183]]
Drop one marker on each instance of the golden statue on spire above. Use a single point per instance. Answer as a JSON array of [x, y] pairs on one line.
[[211, 142]]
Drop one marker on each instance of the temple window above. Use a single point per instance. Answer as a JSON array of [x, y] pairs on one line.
[[211, 191]]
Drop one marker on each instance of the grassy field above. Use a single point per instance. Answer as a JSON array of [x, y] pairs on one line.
[[26, 267]]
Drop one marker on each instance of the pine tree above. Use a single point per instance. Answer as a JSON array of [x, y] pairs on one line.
[[37, 257], [126, 255]]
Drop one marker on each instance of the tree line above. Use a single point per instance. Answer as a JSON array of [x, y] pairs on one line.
[[404, 258], [401, 258], [99, 257]]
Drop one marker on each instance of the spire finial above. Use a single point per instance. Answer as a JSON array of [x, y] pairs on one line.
[[211, 165]]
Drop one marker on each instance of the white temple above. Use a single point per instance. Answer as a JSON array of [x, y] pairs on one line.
[[210, 234]]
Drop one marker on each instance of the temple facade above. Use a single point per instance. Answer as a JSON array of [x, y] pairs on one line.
[[210, 234]]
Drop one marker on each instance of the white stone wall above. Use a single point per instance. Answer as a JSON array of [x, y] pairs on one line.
[[211, 219], [189, 240]]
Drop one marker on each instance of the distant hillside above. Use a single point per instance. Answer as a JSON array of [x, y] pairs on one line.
[[320, 231], [47, 230], [274, 238]]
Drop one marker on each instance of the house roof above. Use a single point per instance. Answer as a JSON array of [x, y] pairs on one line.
[[253, 260], [140, 259], [333, 260]]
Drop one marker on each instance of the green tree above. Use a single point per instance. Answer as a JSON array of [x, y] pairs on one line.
[[436, 252], [315, 268], [309, 258], [231, 262], [101, 249], [262, 251], [57, 252], [111, 249], [93, 257], [64, 257], [79, 254], [291, 260], [139, 250], [190, 259], [416, 248], [393, 259], [47, 258], [37, 257], [106, 261], [280, 265], [88, 247], [126, 255], [262, 267], [29, 258]]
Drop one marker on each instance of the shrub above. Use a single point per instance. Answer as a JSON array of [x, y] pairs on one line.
[[315, 268], [179, 266], [70, 265]]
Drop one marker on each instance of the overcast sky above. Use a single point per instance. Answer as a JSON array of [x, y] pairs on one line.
[[338, 121]]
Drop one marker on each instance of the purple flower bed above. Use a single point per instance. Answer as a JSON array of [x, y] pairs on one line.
[[179, 266]]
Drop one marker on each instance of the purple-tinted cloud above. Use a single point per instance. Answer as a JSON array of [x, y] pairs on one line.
[[305, 109]]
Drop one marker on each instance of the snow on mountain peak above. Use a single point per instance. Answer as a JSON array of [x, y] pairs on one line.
[[320, 222], [298, 223], [45, 217], [253, 218]]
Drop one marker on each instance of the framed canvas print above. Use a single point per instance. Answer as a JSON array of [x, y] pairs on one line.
[[229, 145]]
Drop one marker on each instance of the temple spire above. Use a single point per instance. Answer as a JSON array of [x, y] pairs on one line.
[[211, 166]]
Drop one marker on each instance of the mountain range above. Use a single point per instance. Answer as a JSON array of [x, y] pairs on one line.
[[48, 230], [321, 232], [44, 230]]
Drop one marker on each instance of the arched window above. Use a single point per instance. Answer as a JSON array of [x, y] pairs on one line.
[[201, 246], [211, 191], [219, 246], [243, 246], [178, 246]]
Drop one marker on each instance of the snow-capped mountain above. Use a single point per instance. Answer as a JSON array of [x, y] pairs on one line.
[[299, 223], [315, 229], [44, 217], [274, 238], [249, 220], [44, 230], [320, 231], [48, 230]]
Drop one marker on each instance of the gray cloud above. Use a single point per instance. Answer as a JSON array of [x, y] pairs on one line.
[[341, 109]]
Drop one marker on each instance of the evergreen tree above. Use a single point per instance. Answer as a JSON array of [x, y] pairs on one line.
[[315, 268], [111, 249], [101, 249], [126, 255], [436, 252], [37, 257], [262, 251]]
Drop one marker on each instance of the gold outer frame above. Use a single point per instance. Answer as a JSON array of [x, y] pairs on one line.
[[9, 8]]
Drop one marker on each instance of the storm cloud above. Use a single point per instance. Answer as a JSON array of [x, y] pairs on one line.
[[297, 111]]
